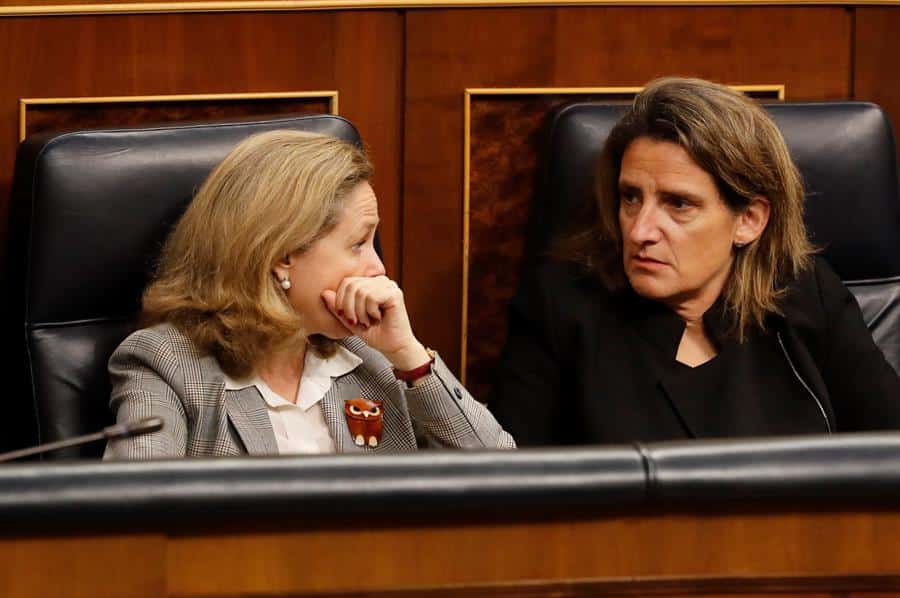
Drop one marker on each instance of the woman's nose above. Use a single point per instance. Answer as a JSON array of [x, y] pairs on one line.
[[645, 226], [374, 265]]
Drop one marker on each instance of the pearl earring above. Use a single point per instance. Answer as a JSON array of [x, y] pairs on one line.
[[286, 283]]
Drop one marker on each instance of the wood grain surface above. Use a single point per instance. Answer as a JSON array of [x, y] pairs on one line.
[[821, 553], [41, 118], [876, 50]]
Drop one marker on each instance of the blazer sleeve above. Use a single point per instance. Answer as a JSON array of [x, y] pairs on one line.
[[864, 388], [451, 416], [144, 373], [527, 398]]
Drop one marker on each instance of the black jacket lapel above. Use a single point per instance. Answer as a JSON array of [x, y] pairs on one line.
[[802, 362], [661, 330]]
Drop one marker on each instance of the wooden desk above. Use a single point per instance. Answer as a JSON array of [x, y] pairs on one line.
[[826, 553], [803, 516]]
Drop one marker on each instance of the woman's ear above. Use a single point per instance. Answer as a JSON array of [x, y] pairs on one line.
[[752, 221], [282, 267]]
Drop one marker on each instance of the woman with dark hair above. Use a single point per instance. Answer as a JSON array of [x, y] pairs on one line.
[[691, 305]]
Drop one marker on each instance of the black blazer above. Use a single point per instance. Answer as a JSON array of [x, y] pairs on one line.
[[583, 365]]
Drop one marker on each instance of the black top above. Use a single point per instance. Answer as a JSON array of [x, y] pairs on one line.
[[749, 399], [583, 365]]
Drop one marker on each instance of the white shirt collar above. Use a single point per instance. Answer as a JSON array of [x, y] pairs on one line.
[[318, 373]]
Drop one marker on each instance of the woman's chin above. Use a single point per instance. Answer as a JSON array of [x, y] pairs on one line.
[[330, 327], [337, 334], [649, 288]]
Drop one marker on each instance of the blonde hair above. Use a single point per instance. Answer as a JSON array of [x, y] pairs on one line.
[[275, 194], [733, 139]]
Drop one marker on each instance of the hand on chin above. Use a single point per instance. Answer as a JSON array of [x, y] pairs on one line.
[[335, 329], [372, 308]]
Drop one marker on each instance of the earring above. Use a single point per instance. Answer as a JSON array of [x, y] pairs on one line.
[[285, 283], [739, 245]]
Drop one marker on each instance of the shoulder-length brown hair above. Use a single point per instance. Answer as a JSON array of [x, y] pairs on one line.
[[275, 194], [733, 139]]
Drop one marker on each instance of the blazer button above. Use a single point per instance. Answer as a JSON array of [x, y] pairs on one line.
[[458, 393]]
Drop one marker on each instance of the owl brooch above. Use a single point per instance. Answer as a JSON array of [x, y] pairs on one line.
[[365, 418]]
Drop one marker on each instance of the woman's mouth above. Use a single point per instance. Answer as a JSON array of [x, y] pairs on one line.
[[647, 262]]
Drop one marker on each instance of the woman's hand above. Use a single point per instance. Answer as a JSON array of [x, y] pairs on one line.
[[372, 308]]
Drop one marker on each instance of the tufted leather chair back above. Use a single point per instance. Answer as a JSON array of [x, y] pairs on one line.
[[846, 154], [90, 211]]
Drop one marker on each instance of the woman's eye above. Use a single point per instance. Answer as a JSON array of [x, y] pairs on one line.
[[678, 203]]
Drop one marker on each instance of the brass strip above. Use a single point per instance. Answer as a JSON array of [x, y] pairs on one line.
[[527, 91], [313, 5], [506, 91], [24, 103], [181, 97], [779, 89], [467, 138]]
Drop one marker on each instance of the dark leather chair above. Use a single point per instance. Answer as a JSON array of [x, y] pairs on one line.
[[846, 153], [89, 213]]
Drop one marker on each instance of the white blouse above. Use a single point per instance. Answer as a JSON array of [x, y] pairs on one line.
[[300, 427]]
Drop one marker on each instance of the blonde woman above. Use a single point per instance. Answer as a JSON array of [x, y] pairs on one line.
[[272, 328], [691, 306]]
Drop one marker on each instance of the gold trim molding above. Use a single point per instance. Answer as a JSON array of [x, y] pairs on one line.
[[24, 103], [189, 6], [617, 92]]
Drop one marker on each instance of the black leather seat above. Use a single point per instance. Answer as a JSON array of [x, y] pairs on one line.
[[846, 153], [90, 210]]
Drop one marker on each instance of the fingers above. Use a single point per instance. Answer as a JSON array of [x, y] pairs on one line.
[[363, 301], [348, 294], [373, 310], [330, 299], [360, 298], [343, 299]]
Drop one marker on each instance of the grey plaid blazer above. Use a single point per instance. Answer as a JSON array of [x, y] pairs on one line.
[[159, 372]]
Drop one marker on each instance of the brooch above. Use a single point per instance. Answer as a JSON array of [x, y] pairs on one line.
[[365, 419]]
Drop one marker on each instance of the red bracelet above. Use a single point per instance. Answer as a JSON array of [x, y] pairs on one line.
[[416, 373]]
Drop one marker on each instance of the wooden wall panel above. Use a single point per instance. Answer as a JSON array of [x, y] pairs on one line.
[[358, 53], [506, 133], [369, 74], [41, 117], [877, 48], [447, 51], [806, 49]]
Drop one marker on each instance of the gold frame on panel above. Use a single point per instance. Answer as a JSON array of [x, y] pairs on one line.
[[467, 133], [24, 103], [209, 6]]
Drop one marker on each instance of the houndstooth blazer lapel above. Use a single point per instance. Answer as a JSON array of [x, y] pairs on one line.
[[348, 387], [247, 411], [333, 411]]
